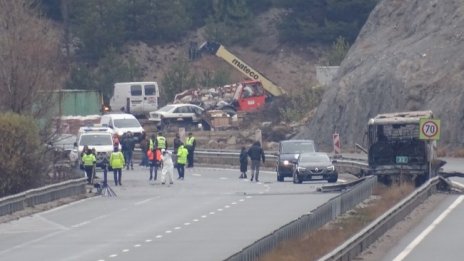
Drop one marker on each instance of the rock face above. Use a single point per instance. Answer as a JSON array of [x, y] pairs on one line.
[[408, 56]]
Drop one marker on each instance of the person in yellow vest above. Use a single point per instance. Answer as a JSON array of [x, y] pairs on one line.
[[153, 142], [117, 163], [182, 154], [89, 161], [190, 144], [162, 142]]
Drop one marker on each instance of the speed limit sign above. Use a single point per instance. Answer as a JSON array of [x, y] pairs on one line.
[[429, 129]]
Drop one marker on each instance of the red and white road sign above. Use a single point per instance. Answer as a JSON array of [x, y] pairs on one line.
[[336, 143]]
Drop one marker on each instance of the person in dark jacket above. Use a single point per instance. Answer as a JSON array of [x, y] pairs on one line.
[[243, 163], [128, 145], [256, 153], [177, 142]]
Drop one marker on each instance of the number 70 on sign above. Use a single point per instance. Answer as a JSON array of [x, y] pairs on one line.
[[429, 129]]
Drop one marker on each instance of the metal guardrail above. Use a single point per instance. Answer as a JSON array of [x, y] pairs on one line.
[[308, 222], [361, 241], [33, 197]]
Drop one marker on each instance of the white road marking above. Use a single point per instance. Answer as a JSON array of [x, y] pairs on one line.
[[241, 200], [211, 213], [168, 232], [125, 250], [143, 201], [223, 178], [177, 228], [137, 245], [101, 260], [226, 206], [148, 240], [219, 209], [196, 220], [81, 224], [113, 256], [52, 223], [234, 203], [186, 224], [429, 229], [65, 206], [248, 196], [159, 236], [196, 175]]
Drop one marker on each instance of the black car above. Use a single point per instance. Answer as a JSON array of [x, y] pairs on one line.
[[289, 151], [314, 166]]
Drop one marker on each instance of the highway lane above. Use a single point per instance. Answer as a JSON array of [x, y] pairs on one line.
[[438, 237], [208, 216]]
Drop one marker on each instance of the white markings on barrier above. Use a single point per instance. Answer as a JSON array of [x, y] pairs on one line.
[[429, 229]]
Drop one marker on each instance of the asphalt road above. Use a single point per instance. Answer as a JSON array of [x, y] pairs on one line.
[[439, 236], [208, 216]]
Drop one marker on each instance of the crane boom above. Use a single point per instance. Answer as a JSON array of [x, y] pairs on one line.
[[219, 50]]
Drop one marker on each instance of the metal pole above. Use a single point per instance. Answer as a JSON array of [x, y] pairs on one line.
[[430, 159]]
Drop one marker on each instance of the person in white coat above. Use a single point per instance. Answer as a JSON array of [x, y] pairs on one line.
[[168, 167]]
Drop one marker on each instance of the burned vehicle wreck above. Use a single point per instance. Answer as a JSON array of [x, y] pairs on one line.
[[395, 150]]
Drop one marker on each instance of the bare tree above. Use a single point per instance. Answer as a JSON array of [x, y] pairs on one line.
[[30, 59]]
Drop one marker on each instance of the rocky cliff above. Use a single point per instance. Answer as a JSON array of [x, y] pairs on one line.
[[408, 56]]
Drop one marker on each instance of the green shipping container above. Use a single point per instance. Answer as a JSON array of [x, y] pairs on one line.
[[78, 102]]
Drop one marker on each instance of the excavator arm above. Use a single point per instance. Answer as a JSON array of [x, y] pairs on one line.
[[219, 50]]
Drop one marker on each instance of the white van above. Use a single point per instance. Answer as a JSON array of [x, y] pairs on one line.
[[141, 97], [122, 123]]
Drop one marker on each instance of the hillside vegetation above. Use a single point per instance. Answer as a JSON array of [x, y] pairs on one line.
[[100, 35]]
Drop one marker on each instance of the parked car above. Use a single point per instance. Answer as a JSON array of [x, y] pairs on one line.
[[289, 151], [122, 123], [64, 145], [184, 113], [314, 166]]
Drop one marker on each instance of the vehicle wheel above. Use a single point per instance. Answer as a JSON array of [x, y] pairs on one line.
[[280, 178], [333, 179], [164, 125], [296, 180]]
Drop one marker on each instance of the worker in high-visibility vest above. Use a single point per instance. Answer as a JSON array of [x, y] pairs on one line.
[[190, 144], [153, 142], [154, 160], [182, 154], [162, 142], [88, 161]]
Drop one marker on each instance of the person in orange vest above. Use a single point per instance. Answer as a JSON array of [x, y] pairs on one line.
[[154, 159]]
